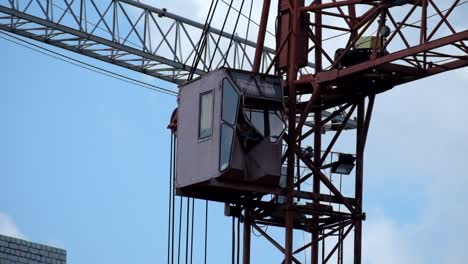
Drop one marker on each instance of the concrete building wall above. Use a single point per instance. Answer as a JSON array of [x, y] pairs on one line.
[[13, 250]]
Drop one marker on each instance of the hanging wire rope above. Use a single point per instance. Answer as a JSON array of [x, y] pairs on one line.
[[233, 31], [191, 74], [169, 238], [222, 31], [180, 229], [173, 197], [206, 232], [238, 241], [247, 32], [82, 64], [233, 241], [249, 17], [192, 230], [187, 220], [203, 39], [261, 227]]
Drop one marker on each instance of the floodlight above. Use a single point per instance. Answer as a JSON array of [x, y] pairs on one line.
[[344, 165]]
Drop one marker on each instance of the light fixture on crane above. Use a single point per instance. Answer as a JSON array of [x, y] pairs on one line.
[[344, 165]]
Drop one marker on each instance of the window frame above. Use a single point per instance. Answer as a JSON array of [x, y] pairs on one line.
[[233, 131], [247, 112], [222, 101], [201, 139], [226, 123], [282, 121]]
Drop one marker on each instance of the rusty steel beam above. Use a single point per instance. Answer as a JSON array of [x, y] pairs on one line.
[[340, 242], [274, 242], [327, 183], [261, 36], [340, 85], [291, 78], [326, 120], [315, 6], [335, 74], [333, 231], [337, 135], [437, 69]]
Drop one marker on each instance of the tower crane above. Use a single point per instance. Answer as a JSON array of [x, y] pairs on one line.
[[332, 57]]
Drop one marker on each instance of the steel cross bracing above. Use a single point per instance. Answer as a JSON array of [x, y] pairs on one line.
[[425, 37], [129, 34], [421, 38]]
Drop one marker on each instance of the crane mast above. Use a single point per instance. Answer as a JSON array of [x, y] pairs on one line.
[[381, 52], [333, 56]]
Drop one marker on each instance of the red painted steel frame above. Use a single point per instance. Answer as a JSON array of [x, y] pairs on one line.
[[348, 88]]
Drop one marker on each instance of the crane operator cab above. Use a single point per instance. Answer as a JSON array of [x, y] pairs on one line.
[[229, 130]]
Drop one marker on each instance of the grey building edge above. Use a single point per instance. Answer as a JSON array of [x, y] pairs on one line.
[[14, 250]]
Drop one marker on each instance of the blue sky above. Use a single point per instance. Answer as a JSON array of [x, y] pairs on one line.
[[84, 166]]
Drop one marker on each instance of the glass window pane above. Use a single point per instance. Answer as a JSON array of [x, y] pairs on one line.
[[269, 87], [258, 86], [230, 102], [257, 119], [206, 115], [225, 147], [276, 126]]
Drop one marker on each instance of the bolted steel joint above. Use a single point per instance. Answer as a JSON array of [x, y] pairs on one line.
[[358, 216]]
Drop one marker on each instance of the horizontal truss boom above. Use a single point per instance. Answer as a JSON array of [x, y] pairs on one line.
[[129, 34]]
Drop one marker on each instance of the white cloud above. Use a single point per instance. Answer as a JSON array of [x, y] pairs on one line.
[[8, 227], [385, 242], [418, 144]]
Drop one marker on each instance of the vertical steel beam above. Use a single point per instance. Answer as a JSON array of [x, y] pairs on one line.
[[423, 35], [316, 179], [318, 38], [359, 181], [317, 131], [291, 78], [261, 36]]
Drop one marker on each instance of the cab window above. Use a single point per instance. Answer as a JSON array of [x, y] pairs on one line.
[[205, 119]]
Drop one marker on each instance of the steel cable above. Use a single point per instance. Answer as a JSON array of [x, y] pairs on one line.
[[170, 203], [247, 32], [233, 245], [180, 229], [84, 65], [191, 239], [206, 232], [203, 38], [233, 32], [249, 17], [219, 37], [187, 220], [173, 198], [238, 241]]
